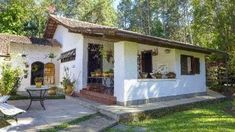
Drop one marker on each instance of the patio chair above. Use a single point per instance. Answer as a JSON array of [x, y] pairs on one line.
[[3, 99], [8, 111]]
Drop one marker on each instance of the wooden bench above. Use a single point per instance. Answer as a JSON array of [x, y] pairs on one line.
[[9, 111]]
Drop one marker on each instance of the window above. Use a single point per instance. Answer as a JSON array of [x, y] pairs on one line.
[[189, 65]]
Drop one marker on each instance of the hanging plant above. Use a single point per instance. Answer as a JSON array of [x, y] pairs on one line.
[[26, 64], [155, 52], [25, 73], [107, 54], [34, 68], [51, 55]]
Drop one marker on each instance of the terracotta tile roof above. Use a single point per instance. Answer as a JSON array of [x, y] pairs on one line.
[[74, 26], [9, 38], [116, 34], [73, 23]]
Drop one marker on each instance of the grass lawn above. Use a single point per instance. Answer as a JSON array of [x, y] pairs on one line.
[[204, 118]]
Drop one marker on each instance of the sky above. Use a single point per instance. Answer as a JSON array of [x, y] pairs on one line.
[[116, 2]]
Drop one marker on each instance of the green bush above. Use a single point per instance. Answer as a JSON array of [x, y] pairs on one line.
[[10, 79]]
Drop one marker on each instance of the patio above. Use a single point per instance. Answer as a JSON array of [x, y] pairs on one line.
[[57, 111]]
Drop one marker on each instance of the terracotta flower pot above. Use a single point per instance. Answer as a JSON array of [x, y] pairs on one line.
[[38, 84], [111, 74], [68, 90], [52, 91], [93, 74], [105, 74], [98, 74]]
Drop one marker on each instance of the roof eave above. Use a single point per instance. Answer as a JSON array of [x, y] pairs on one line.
[[150, 40]]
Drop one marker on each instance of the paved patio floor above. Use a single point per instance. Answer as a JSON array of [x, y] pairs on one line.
[[57, 111]]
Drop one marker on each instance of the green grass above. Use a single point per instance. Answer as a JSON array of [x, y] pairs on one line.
[[67, 124], [205, 118]]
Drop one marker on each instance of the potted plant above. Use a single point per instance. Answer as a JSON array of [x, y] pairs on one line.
[[158, 75], [68, 85], [171, 75], [98, 73], [51, 55], [93, 74], [38, 82], [67, 82], [52, 90], [106, 74], [110, 73], [143, 75]]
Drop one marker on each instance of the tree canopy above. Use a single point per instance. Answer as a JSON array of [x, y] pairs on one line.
[[28, 17]]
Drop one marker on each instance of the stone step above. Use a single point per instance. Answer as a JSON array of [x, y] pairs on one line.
[[98, 97], [96, 107], [95, 124]]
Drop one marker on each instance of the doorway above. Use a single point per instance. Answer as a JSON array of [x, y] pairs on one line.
[[37, 70], [146, 62], [95, 58]]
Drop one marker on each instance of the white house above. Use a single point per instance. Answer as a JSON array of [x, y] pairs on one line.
[[29, 52], [133, 58]]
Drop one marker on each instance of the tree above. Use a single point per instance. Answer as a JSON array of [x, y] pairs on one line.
[[95, 11], [13, 15], [99, 11], [29, 17], [125, 11]]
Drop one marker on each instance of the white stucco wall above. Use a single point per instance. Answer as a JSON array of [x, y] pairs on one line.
[[70, 41], [125, 68], [130, 88], [78, 67], [162, 58], [34, 53]]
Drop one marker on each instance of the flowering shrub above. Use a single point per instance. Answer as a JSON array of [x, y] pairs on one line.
[[10, 79]]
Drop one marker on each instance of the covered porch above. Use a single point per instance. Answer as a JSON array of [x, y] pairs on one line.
[[128, 73], [99, 78]]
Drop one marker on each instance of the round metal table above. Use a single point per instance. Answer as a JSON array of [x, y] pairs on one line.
[[42, 95]]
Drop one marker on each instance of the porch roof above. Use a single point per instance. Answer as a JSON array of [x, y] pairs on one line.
[[116, 34], [10, 38]]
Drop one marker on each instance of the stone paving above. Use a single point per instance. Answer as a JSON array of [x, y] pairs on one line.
[[95, 124], [57, 111]]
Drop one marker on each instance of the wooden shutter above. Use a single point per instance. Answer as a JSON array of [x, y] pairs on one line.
[[187, 68], [197, 65]]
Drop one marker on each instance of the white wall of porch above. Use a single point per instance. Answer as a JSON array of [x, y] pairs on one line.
[[127, 86]]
